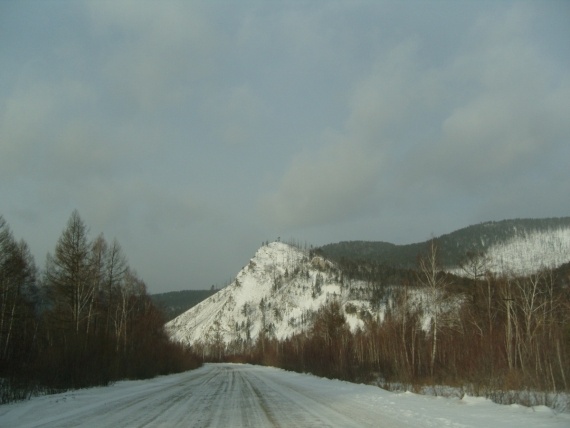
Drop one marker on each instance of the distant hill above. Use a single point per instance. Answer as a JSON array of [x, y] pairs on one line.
[[452, 246], [174, 303], [282, 288]]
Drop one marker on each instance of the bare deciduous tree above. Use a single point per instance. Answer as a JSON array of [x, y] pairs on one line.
[[435, 283], [68, 273]]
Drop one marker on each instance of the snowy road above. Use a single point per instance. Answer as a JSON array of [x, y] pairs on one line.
[[226, 395]]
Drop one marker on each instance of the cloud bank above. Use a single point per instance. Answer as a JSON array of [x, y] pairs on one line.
[[194, 131]]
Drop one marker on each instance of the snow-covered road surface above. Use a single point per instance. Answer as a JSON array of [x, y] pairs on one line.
[[235, 395]]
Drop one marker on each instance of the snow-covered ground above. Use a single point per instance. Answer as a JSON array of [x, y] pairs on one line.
[[234, 395]]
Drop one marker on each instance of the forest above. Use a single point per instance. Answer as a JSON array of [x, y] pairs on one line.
[[86, 319]]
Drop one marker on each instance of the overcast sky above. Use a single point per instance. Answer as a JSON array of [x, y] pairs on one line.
[[193, 131]]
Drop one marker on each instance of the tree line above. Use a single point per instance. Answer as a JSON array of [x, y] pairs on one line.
[[452, 247], [488, 332], [86, 319]]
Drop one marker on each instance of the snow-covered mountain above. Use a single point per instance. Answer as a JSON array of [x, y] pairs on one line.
[[277, 294], [281, 289]]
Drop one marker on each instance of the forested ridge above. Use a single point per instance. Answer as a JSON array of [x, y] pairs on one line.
[[452, 246], [85, 319]]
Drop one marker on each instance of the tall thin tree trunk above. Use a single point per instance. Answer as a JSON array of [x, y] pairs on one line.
[[434, 345]]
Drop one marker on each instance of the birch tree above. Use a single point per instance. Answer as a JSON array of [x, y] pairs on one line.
[[435, 283]]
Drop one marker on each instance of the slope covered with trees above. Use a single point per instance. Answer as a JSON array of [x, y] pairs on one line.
[[452, 246], [85, 320]]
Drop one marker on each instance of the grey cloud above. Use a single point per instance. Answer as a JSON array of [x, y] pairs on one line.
[[330, 185], [237, 115], [429, 131], [397, 87], [156, 54], [513, 119], [44, 136], [351, 171]]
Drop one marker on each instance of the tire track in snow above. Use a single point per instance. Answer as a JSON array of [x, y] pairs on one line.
[[235, 395]]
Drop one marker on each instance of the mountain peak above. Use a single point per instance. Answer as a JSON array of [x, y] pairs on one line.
[[275, 294]]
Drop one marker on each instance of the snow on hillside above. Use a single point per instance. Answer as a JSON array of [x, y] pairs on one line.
[[276, 293], [529, 252], [282, 287]]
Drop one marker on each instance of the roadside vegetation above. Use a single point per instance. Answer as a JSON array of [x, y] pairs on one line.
[[86, 319]]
